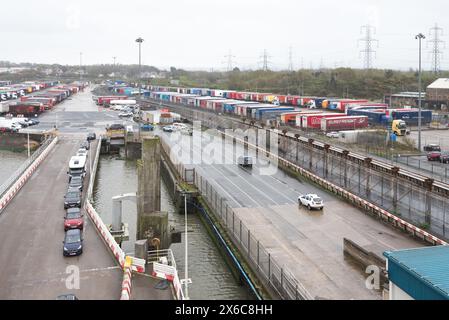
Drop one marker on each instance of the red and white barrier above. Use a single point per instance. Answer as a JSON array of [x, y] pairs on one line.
[[15, 188], [168, 273], [126, 284], [354, 198], [105, 234]]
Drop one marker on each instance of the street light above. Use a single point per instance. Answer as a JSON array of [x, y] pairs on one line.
[[419, 36], [139, 41], [186, 279]]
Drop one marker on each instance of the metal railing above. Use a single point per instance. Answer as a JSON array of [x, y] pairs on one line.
[[278, 277], [23, 167]]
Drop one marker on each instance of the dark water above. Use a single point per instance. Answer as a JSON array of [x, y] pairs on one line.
[[211, 277], [9, 163]]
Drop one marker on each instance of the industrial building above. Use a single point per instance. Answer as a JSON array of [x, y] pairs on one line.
[[418, 274]]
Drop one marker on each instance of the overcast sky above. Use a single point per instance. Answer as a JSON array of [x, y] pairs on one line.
[[197, 34]]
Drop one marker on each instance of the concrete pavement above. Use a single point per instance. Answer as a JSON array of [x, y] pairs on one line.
[[308, 243], [31, 234]]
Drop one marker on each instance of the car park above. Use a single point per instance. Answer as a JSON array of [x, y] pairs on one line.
[[245, 161], [73, 243], [76, 183], [311, 201], [72, 198], [73, 219]]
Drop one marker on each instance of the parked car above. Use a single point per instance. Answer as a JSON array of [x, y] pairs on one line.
[[168, 129], [125, 114], [332, 134], [73, 243], [33, 122], [73, 219], [72, 198], [245, 161], [147, 127], [311, 201], [81, 152], [91, 136], [434, 156], [444, 157], [76, 183], [432, 147], [85, 145], [116, 126]]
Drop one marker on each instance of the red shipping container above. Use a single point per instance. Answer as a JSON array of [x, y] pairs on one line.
[[313, 121], [344, 123]]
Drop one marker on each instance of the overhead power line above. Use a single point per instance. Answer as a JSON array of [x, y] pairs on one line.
[[369, 42], [436, 45]]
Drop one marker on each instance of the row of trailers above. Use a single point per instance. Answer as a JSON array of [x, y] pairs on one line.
[[269, 114], [36, 102], [336, 104]]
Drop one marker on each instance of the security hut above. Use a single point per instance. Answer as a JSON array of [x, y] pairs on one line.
[[418, 274]]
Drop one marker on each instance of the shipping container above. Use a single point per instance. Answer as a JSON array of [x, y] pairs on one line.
[[411, 116], [344, 123], [313, 120], [259, 114], [374, 117]]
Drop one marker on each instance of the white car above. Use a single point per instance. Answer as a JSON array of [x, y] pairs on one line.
[[125, 114], [311, 201], [333, 134]]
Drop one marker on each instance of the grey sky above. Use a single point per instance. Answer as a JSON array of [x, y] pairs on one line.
[[197, 34]]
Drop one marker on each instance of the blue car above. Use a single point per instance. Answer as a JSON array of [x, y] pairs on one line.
[[147, 127], [73, 243]]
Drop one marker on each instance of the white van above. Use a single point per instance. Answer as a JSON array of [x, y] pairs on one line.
[[77, 166]]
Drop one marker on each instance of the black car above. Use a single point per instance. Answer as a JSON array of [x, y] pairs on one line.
[[116, 126], [91, 136], [33, 122], [76, 182], [72, 198], [444, 157], [85, 145], [73, 243]]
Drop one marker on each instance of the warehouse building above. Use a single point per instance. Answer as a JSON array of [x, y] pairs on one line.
[[437, 94], [418, 274]]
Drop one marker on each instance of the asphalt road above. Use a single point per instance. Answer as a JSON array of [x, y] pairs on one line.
[[31, 235], [308, 243], [77, 116]]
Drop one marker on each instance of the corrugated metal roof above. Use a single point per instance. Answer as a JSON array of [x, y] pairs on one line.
[[430, 265], [441, 83]]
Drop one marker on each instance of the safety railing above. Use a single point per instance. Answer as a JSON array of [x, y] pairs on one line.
[[268, 269], [10, 181], [11, 187]]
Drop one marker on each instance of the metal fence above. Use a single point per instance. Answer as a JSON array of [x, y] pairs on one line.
[[276, 276], [401, 197], [270, 272], [13, 178]]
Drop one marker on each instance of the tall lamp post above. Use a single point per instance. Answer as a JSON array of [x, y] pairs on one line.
[[139, 41], [186, 279], [419, 36]]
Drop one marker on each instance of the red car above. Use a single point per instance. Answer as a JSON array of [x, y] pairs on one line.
[[434, 156], [73, 219]]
